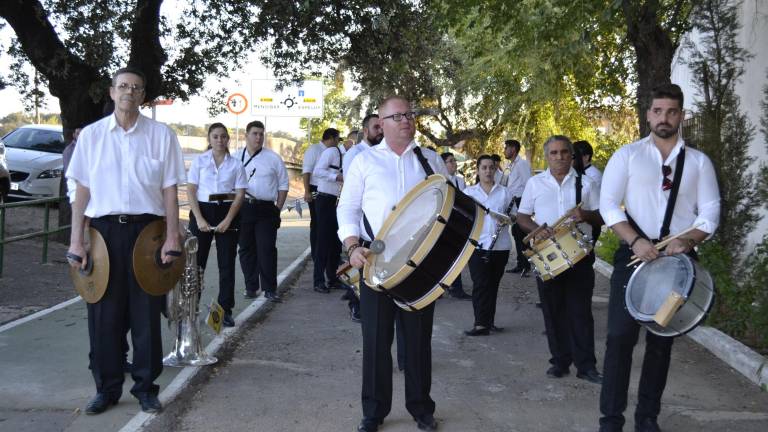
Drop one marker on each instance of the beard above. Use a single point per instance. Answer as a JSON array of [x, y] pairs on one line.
[[376, 139], [664, 130]]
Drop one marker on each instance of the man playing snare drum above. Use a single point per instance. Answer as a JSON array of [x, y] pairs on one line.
[[566, 300], [641, 175]]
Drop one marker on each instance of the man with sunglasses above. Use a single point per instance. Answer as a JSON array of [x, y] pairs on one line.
[[126, 168], [642, 177], [374, 184]]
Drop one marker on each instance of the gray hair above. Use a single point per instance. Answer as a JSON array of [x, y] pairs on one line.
[[129, 70], [554, 138]]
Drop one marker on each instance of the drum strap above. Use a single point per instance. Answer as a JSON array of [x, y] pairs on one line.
[[423, 161], [341, 158], [673, 193], [368, 229]]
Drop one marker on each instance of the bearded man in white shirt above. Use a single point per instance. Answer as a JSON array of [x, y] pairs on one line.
[[377, 180], [372, 135], [126, 168], [640, 176], [566, 300]]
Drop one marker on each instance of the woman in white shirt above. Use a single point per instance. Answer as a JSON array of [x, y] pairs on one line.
[[216, 172]]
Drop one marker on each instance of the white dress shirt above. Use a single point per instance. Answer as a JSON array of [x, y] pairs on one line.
[[350, 155], [594, 174], [126, 171], [549, 200], [519, 173], [458, 181], [325, 173], [265, 174], [310, 159], [633, 178], [377, 180], [211, 179], [498, 200]]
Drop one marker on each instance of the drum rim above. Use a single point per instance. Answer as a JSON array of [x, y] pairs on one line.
[[642, 317], [429, 241]]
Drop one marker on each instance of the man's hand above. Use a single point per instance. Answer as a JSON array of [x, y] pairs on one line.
[[308, 196], [358, 258], [543, 234], [173, 245], [223, 225], [79, 250], [679, 245], [339, 178], [578, 215], [203, 225], [645, 250]]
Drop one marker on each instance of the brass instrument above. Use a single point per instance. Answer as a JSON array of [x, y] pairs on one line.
[[182, 309], [500, 225]]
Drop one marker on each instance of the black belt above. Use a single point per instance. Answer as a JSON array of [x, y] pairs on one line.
[[327, 195], [259, 202], [126, 218]]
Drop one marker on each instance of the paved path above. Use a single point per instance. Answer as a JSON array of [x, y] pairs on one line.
[[297, 368], [45, 380]]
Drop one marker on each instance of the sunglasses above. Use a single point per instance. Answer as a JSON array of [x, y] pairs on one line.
[[666, 184]]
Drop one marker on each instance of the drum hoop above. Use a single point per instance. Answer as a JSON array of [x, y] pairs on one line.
[[429, 241], [636, 314]]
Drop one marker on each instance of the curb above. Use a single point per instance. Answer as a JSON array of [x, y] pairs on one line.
[[735, 354], [182, 380]]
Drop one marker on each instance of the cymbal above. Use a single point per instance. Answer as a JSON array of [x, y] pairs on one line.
[[153, 276], [91, 282]]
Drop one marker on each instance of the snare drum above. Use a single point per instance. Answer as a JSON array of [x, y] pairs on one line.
[[428, 239], [563, 250], [656, 284]]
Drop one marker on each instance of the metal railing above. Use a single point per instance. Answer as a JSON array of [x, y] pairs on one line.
[[45, 233]]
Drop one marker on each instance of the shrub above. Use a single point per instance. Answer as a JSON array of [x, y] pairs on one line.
[[607, 245]]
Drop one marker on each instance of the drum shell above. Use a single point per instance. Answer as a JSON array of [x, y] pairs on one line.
[[548, 257], [699, 297]]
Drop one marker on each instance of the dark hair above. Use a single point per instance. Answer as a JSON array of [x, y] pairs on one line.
[[130, 70], [584, 148], [482, 158], [367, 118], [667, 91], [330, 133], [217, 125], [446, 155], [512, 142], [496, 158], [353, 132], [254, 124]]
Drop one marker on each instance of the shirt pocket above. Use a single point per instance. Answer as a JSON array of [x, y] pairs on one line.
[[149, 172]]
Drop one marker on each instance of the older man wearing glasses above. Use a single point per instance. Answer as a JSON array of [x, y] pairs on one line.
[[376, 181]]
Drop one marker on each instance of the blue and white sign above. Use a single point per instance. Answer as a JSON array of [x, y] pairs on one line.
[[305, 100]]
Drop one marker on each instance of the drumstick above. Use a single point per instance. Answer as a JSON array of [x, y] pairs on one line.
[[565, 216], [662, 244], [377, 247], [534, 232]]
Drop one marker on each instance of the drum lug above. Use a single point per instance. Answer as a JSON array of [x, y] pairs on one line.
[[410, 263], [441, 219], [474, 242]]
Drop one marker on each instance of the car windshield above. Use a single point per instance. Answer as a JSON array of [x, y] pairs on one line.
[[36, 139]]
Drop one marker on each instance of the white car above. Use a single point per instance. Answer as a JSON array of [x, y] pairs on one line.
[[33, 154]]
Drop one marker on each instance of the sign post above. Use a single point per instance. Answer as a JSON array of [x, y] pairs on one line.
[[237, 103]]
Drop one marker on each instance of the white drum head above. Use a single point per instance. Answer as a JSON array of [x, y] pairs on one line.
[[652, 282]]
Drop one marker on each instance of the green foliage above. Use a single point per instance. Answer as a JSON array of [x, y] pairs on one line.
[[18, 119], [762, 173], [607, 245], [337, 113]]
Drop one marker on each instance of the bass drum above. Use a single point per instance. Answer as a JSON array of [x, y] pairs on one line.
[[428, 239], [652, 285]]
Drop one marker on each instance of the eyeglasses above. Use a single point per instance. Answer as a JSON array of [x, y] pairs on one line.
[[666, 184], [410, 115], [123, 87]]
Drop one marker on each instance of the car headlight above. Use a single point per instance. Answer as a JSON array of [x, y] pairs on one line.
[[51, 173]]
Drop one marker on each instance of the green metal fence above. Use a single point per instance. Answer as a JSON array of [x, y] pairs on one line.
[[45, 233]]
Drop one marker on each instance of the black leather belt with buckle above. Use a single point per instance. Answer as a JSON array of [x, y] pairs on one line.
[[125, 218]]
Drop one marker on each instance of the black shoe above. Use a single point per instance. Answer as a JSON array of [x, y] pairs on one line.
[[591, 375], [426, 422], [369, 425], [461, 295], [251, 294], [478, 331], [609, 428], [557, 372], [321, 289], [228, 321], [347, 295], [273, 297], [335, 286], [647, 424], [495, 329], [354, 315], [127, 367], [149, 403], [100, 403]]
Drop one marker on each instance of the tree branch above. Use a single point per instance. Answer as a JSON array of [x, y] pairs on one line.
[[147, 54]]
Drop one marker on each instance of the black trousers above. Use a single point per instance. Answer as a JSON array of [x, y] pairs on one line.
[[313, 232], [623, 332], [485, 283], [226, 249], [378, 314], [518, 235], [125, 306], [566, 303], [327, 243], [259, 222]]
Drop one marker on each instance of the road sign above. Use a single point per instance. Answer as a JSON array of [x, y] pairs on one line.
[[162, 102], [237, 103], [304, 100]]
